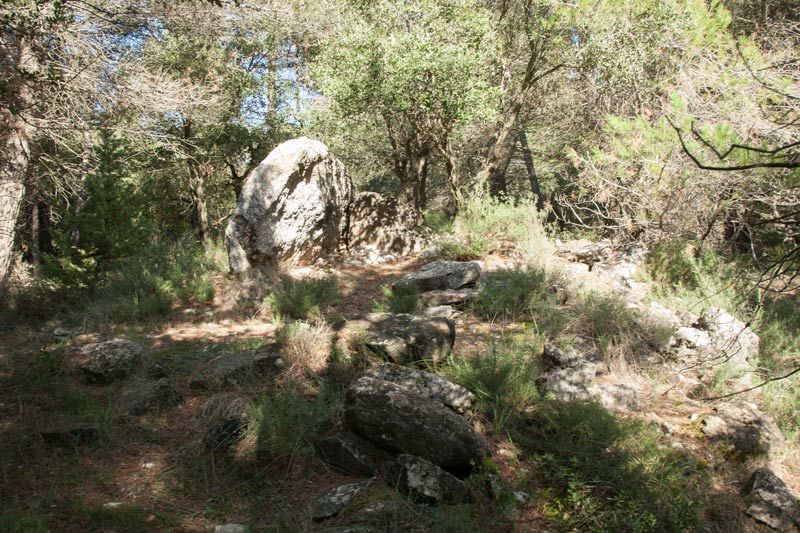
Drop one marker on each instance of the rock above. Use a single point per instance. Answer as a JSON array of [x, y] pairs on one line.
[[399, 419], [139, 398], [770, 502], [292, 208], [569, 383], [448, 297], [62, 332], [231, 528], [404, 338], [351, 454], [735, 341], [442, 311], [614, 396], [71, 435], [554, 358], [692, 338], [225, 418], [425, 384], [442, 275], [425, 482], [376, 513], [379, 222], [743, 426], [230, 369], [584, 251], [332, 501], [111, 360], [663, 316]]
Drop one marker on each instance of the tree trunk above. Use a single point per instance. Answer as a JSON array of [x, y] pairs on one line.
[[532, 177], [495, 156], [498, 185], [16, 158], [197, 178]]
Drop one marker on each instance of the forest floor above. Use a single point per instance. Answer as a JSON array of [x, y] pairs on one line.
[[149, 472]]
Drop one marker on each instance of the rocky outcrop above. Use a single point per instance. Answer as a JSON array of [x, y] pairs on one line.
[[405, 339], [292, 208], [380, 226], [569, 383], [442, 276], [425, 384], [425, 482], [744, 427], [401, 418], [111, 360], [448, 297], [770, 502], [236, 368]]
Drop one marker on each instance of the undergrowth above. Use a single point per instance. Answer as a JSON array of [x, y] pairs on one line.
[[300, 299]]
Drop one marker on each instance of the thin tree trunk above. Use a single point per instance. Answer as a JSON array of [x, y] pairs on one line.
[[532, 177], [498, 185], [495, 156], [197, 178]]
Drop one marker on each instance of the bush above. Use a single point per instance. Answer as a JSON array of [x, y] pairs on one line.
[[287, 425], [486, 221], [301, 299], [522, 295], [503, 380], [607, 474], [404, 298]]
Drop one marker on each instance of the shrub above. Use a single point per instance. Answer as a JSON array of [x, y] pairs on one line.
[[305, 349], [404, 298], [287, 424], [301, 299], [607, 474], [522, 295], [502, 380]]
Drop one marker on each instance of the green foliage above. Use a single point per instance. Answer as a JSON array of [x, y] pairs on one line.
[[301, 299], [503, 380], [526, 295], [13, 520], [146, 286], [286, 424], [403, 298], [608, 474], [486, 222], [107, 225]]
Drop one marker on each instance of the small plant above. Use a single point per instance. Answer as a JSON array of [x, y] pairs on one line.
[[287, 424], [403, 298], [522, 295], [503, 380], [301, 299], [608, 474], [305, 349]]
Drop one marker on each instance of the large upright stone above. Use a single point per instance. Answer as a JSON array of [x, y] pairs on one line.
[[292, 208]]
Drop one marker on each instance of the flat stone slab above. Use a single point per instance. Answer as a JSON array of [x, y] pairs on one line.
[[442, 275], [425, 384], [71, 435], [403, 338], [351, 454], [334, 500], [230, 369]]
